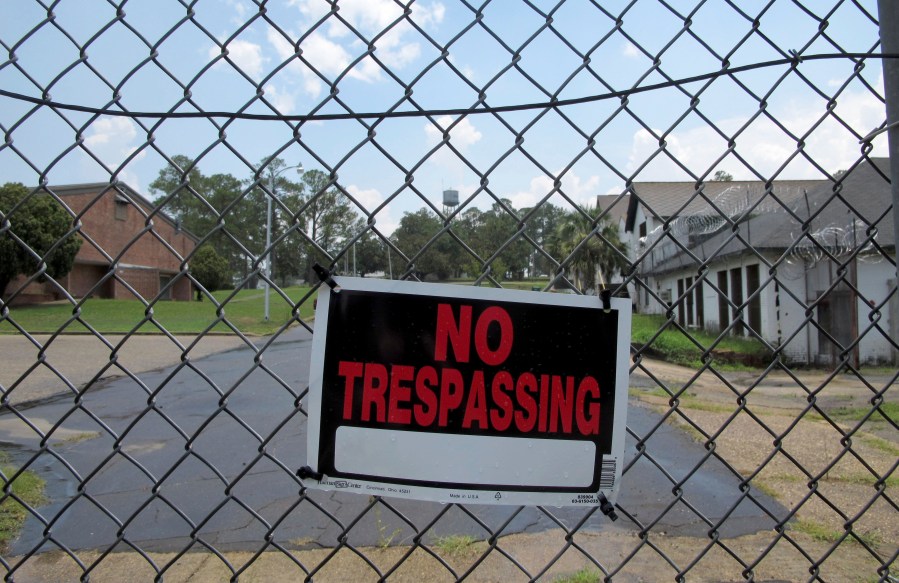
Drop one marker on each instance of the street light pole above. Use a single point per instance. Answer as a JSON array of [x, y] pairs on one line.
[[268, 231]]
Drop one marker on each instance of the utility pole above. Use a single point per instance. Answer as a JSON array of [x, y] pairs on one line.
[[889, 44], [268, 230]]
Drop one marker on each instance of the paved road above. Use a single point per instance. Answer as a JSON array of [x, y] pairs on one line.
[[225, 464]]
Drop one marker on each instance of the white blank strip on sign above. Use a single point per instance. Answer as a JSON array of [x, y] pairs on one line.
[[464, 459]]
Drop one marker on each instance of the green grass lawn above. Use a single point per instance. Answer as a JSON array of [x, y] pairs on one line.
[[675, 346], [525, 284], [245, 311], [28, 487]]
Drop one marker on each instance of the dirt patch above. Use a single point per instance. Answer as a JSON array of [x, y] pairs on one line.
[[806, 441], [545, 557]]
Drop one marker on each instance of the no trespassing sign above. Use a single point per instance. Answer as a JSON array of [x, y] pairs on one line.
[[466, 394]]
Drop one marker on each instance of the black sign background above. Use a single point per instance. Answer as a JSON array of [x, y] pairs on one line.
[[399, 329]]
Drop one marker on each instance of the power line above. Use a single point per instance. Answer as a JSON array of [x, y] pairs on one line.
[[555, 103]]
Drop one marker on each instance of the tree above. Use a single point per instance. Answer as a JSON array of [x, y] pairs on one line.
[[542, 226], [415, 231], [369, 253], [210, 270], [501, 226], [287, 256], [327, 219], [201, 202], [486, 232], [42, 224], [595, 248], [722, 176], [469, 225]]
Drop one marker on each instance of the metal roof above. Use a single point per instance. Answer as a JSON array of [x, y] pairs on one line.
[[830, 220]]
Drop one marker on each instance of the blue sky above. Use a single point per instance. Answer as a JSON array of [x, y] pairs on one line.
[[45, 138]]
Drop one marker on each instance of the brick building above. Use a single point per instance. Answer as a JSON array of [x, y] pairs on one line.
[[115, 232]]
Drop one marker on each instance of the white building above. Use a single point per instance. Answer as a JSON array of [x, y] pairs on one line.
[[809, 266]]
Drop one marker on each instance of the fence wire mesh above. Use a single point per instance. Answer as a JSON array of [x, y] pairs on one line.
[[721, 163]]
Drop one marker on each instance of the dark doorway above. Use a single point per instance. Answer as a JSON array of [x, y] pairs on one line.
[[836, 312]]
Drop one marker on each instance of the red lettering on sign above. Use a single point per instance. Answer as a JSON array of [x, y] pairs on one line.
[[487, 317], [352, 371], [451, 391], [501, 418], [458, 334], [427, 397], [425, 383], [544, 401], [561, 404], [524, 388], [374, 386], [400, 394], [588, 424], [476, 409]]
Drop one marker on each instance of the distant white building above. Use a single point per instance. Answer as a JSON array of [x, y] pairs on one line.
[[741, 257]]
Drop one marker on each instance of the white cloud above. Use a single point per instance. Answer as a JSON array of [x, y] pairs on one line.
[[240, 10], [370, 198], [332, 52], [283, 102], [328, 57], [369, 15], [466, 70], [581, 190], [764, 145], [108, 131], [246, 55], [394, 52], [462, 135], [630, 50], [112, 139]]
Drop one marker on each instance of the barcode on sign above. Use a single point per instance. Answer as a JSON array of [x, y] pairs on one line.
[[607, 474]]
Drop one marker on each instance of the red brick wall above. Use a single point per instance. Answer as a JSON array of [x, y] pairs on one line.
[[143, 281], [84, 277], [114, 236], [114, 233]]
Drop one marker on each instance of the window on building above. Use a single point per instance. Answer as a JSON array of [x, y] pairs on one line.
[[165, 294], [736, 296], [643, 229], [691, 319], [755, 304], [700, 305], [723, 304], [121, 208]]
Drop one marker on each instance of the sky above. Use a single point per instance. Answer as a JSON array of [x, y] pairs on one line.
[[85, 55]]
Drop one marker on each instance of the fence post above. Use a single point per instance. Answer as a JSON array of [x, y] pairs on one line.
[[889, 43]]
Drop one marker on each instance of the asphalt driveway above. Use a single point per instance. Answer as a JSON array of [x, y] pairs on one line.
[[205, 452]]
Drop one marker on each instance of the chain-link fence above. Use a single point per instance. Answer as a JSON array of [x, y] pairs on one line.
[[724, 164]]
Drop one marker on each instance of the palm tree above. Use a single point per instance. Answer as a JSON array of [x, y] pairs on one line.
[[589, 246]]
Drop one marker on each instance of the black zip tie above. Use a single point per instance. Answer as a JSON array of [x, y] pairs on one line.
[[305, 473], [324, 275], [606, 507], [606, 296]]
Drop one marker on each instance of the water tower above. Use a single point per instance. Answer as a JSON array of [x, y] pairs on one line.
[[450, 201]]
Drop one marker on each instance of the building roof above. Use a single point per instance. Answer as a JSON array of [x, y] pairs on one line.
[[123, 193], [615, 204], [839, 216], [668, 199]]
